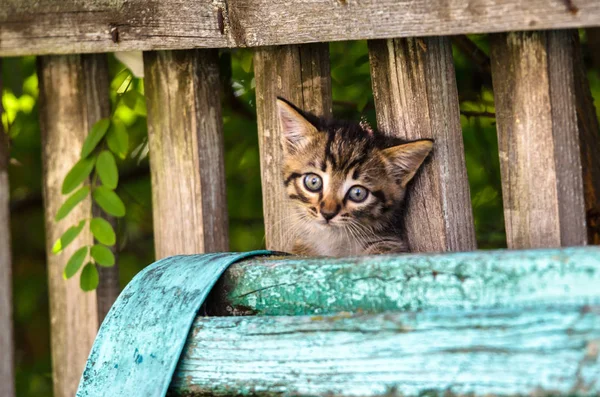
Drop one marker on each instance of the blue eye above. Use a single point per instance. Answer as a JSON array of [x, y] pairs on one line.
[[313, 182], [358, 193]]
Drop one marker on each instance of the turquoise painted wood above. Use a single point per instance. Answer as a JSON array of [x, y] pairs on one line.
[[142, 336], [535, 351], [481, 279]]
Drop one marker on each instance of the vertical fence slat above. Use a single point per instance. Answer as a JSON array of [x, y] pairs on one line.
[[538, 139], [185, 134], [64, 125], [96, 89], [7, 375], [415, 93], [300, 74], [589, 136]]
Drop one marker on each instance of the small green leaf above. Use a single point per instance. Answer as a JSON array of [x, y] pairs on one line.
[[117, 139], [130, 98], [109, 201], [88, 281], [102, 255], [75, 262], [94, 137], [67, 237], [106, 166], [71, 202], [103, 231], [77, 174]]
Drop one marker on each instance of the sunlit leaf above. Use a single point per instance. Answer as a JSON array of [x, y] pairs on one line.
[[102, 255], [75, 262], [106, 166], [109, 201], [80, 171], [71, 202], [94, 137], [103, 231], [118, 139], [89, 279], [67, 237]]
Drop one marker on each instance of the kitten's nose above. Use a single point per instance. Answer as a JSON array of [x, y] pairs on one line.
[[329, 214]]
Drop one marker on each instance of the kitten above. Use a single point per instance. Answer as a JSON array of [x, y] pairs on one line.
[[346, 184]]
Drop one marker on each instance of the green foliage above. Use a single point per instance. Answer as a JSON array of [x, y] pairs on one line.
[[117, 139], [71, 202], [103, 231], [106, 167], [94, 137], [89, 277], [102, 255], [67, 237], [79, 173], [74, 263]]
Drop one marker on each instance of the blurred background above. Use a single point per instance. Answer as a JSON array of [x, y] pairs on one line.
[[352, 99]]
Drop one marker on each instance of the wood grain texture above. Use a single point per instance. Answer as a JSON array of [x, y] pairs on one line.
[[542, 350], [589, 136], [7, 348], [415, 93], [534, 90], [96, 86], [301, 75], [64, 125], [73, 26], [185, 135], [284, 286]]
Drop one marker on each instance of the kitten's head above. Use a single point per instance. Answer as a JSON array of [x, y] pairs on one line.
[[341, 175]]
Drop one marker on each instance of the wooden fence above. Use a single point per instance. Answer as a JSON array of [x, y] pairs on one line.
[[547, 130]]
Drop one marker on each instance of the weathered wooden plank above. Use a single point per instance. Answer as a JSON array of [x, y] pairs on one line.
[[301, 75], [96, 85], [541, 350], [72, 26], [589, 135], [64, 125], [185, 135], [415, 93], [7, 375], [534, 89], [473, 280]]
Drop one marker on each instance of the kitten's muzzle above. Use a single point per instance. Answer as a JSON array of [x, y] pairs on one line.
[[329, 215]]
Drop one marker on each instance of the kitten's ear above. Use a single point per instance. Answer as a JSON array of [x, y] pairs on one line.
[[296, 130], [407, 158]]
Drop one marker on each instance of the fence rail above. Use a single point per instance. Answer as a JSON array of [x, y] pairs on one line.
[[70, 27], [546, 120]]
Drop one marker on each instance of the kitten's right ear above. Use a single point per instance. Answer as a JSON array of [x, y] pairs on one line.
[[296, 130]]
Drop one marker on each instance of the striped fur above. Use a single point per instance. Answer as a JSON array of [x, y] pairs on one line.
[[347, 158]]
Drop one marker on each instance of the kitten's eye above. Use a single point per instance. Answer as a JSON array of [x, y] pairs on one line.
[[313, 182], [358, 194]]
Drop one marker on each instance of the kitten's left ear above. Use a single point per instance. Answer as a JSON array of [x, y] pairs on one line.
[[407, 158], [296, 130]]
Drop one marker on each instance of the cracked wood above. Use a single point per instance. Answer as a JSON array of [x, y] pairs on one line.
[[542, 188], [64, 124], [451, 281], [29, 27], [185, 135], [414, 87], [537, 350]]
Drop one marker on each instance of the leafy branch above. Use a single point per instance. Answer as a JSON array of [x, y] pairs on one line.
[[96, 174]]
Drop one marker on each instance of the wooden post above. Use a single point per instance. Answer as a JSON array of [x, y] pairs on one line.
[[7, 375], [96, 90], [534, 90], [300, 74], [64, 124], [415, 93], [186, 152], [589, 135]]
